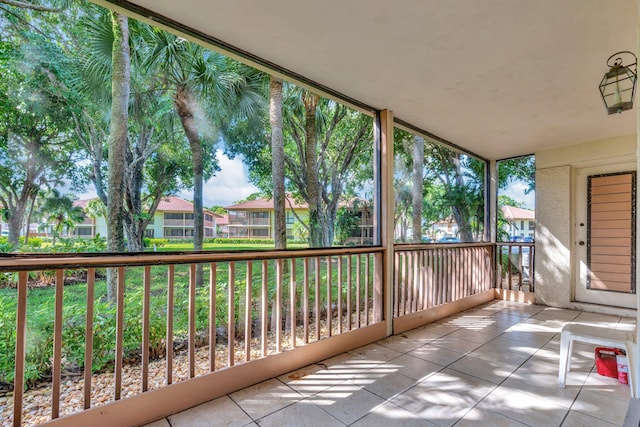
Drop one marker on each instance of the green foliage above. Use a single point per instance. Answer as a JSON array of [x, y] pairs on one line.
[[34, 242], [347, 220], [155, 242], [517, 169], [453, 187], [239, 241], [6, 247], [41, 313], [75, 245]]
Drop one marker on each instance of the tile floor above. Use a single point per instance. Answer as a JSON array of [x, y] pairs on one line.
[[494, 365]]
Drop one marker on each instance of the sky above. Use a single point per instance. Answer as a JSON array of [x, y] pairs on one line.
[[230, 185], [516, 192]]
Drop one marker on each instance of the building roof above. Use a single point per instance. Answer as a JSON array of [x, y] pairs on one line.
[[264, 203], [173, 203], [81, 203], [513, 213], [222, 220], [176, 204], [167, 204]]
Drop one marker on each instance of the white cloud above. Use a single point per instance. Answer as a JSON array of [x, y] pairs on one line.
[[517, 190], [229, 185]]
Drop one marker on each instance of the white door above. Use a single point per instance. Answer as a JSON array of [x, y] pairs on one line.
[[604, 243]]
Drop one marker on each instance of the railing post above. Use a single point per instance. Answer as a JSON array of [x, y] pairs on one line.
[[386, 214], [492, 214], [21, 337]]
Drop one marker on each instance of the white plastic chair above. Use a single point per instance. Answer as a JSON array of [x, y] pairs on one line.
[[598, 336]]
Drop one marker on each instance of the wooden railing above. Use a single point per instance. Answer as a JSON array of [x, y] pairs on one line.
[[166, 329], [428, 276], [515, 266], [250, 306]]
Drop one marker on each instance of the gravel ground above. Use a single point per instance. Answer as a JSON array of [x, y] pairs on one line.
[[37, 401]]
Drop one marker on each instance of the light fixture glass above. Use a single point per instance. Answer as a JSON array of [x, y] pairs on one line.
[[618, 85]]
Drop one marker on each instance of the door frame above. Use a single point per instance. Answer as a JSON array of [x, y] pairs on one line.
[[579, 291]]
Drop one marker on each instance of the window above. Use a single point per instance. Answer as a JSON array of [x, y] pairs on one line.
[[173, 232], [237, 217], [345, 144], [261, 232], [149, 232], [238, 232], [84, 231], [532, 225], [421, 166]]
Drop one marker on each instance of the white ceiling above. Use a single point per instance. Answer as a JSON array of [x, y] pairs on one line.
[[497, 77]]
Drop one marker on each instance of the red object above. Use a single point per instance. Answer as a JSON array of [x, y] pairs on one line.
[[623, 369], [606, 363]]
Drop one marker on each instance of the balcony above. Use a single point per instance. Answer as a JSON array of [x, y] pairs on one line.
[[178, 223], [459, 355], [495, 364]]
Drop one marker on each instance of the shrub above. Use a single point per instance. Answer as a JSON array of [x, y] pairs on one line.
[[239, 241], [150, 242]]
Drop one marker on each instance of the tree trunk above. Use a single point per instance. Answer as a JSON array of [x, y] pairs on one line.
[[33, 202], [310, 101], [461, 213], [185, 103], [277, 163], [15, 225], [133, 200], [117, 142], [418, 166]]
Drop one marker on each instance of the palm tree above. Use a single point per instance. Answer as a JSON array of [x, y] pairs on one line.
[[418, 185], [118, 134], [60, 211], [310, 101], [277, 162], [203, 85]]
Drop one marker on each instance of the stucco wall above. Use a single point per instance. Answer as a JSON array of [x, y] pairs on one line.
[[553, 236], [556, 212]]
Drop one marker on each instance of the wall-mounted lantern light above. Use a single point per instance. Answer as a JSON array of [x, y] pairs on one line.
[[618, 86]]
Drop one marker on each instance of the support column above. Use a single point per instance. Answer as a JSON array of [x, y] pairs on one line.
[[492, 209], [387, 211], [636, 353]]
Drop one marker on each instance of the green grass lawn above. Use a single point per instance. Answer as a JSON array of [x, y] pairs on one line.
[[188, 246], [41, 308]]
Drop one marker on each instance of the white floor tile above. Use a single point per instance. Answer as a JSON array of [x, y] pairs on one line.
[[483, 417], [492, 371], [301, 414], [265, 398], [577, 419], [347, 406], [222, 411], [494, 365], [390, 415], [523, 407], [601, 406], [438, 355], [413, 367]]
